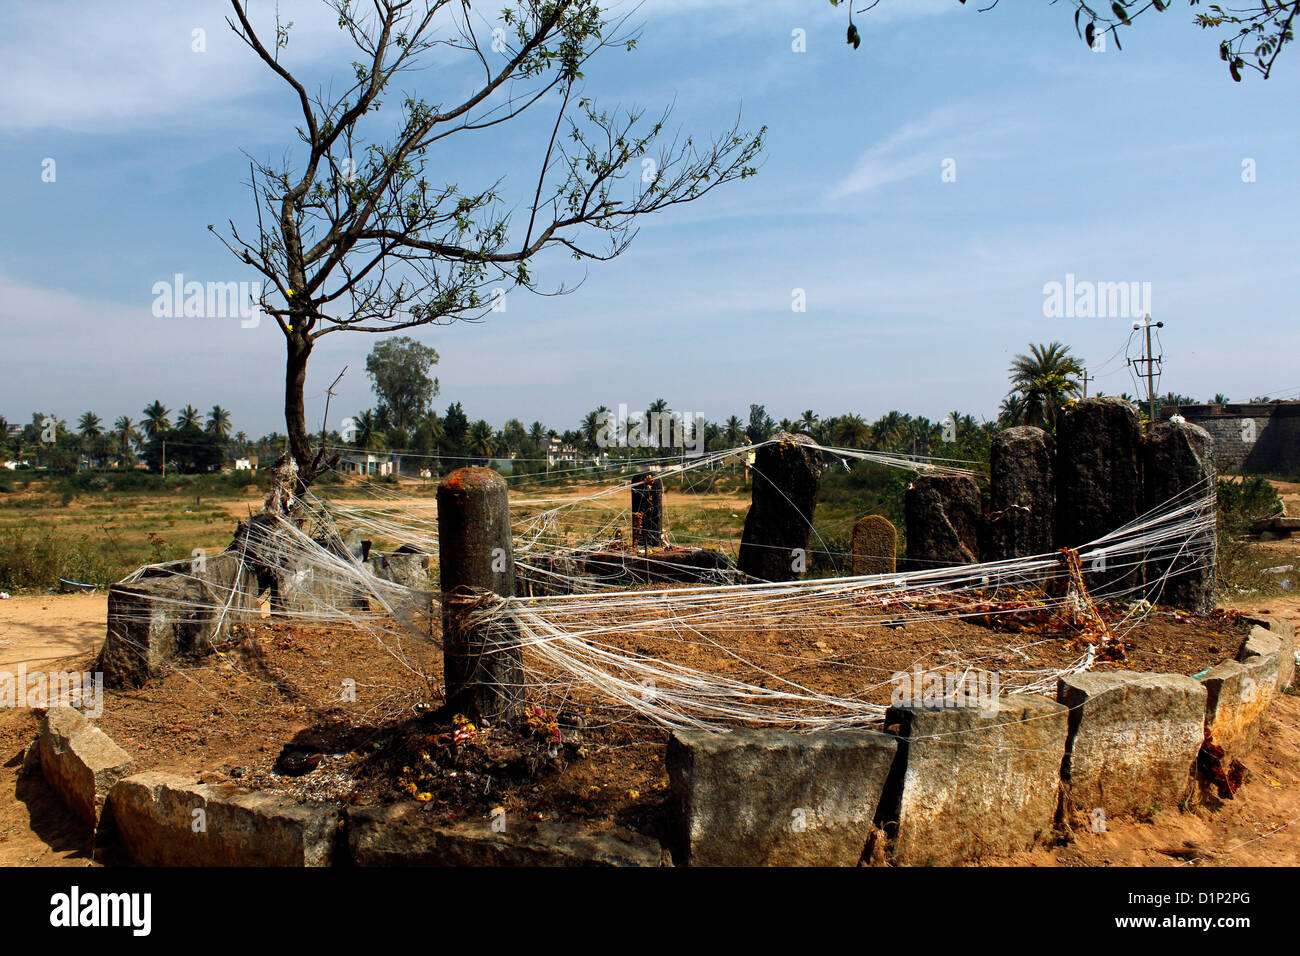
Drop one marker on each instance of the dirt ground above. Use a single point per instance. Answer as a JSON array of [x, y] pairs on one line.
[[37, 629], [231, 717], [1259, 826]]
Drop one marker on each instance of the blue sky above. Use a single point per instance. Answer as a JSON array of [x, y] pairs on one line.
[[1113, 166]]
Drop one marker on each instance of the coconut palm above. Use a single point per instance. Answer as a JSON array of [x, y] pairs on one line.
[[850, 431], [733, 431], [890, 431], [156, 421], [188, 417], [218, 422], [591, 428], [89, 425], [365, 429], [482, 442], [1046, 379], [656, 413], [1012, 410], [126, 433]]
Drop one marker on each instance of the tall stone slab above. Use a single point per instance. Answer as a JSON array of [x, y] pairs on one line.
[[875, 546], [647, 511], [942, 515], [787, 475], [1020, 495], [1098, 483], [1178, 460]]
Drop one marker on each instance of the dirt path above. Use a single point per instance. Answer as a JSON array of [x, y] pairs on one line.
[[41, 631], [36, 629]]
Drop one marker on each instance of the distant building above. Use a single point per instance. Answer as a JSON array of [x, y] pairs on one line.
[[247, 463], [557, 451], [367, 464]]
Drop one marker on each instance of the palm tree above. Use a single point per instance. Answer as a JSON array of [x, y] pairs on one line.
[[1012, 410], [890, 431], [1045, 378], [734, 431], [155, 419], [656, 413], [88, 425], [1220, 399], [188, 417], [126, 433], [482, 443], [365, 429], [590, 428], [851, 432], [218, 422]]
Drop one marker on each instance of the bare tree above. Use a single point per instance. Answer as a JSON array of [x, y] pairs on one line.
[[353, 236]]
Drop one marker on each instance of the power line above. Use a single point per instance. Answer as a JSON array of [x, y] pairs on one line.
[[1148, 365]]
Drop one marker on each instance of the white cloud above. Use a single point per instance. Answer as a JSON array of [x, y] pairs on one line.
[[961, 131], [73, 66]]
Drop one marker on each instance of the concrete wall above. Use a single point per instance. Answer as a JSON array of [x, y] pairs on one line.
[[1255, 438]]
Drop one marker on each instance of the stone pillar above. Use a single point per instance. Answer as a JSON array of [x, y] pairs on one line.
[[482, 663], [875, 546], [1098, 486], [942, 515], [1176, 458], [786, 477], [647, 511], [1020, 495]]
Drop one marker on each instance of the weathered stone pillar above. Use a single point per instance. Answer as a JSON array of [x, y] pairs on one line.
[[647, 511], [1177, 457], [786, 477], [482, 663], [875, 546], [1020, 495], [942, 515], [1098, 486]]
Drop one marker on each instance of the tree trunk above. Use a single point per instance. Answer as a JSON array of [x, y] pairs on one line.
[[298, 348]]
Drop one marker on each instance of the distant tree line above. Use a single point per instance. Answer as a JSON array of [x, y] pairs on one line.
[[404, 421]]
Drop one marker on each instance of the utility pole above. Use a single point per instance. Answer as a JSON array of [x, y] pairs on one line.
[[1151, 363], [1085, 383], [325, 421], [163, 471]]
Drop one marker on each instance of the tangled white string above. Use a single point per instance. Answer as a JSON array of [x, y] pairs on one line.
[[581, 646]]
